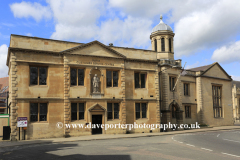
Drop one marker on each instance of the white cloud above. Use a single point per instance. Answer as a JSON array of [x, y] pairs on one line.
[[235, 78], [29, 34], [77, 33], [194, 65], [28, 9], [76, 19], [198, 24], [227, 54], [3, 59], [129, 32], [207, 28]]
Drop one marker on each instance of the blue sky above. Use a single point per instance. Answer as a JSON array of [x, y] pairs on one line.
[[205, 31]]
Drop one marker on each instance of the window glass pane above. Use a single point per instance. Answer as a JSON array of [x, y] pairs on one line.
[[163, 44], [109, 110], [170, 83], [109, 78], [33, 75], [81, 110], [81, 77], [115, 78], [81, 115], [81, 107], [73, 76], [109, 107], [187, 111], [186, 89], [74, 111], [155, 44], [170, 45], [136, 77], [173, 83], [43, 112], [217, 103], [144, 110], [42, 76], [116, 111], [220, 111], [142, 80], [173, 112], [33, 112], [137, 108]]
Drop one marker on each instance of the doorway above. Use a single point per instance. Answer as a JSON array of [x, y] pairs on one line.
[[96, 123]]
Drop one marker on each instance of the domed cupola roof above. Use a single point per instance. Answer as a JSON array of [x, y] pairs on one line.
[[161, 26]]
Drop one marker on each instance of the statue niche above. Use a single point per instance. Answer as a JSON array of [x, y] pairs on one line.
[[95, 84], [95, 76]]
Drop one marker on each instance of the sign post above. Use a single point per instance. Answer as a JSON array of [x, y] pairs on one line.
[[22, 122]]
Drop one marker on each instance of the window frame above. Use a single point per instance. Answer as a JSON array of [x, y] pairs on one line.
[[77, 77], [112, 78], [78, 111], [38, 77], [171, 85], [140, 79], [188, 89], [188, 115], [217, 109], [38, 121], [113, 111], [141, 110]]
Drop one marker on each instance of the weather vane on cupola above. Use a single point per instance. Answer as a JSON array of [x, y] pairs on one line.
[[161, 17]]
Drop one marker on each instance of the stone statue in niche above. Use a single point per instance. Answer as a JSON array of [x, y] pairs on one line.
[[95, 82]]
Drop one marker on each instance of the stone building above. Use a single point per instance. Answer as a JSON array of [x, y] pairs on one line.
[[55, 81], [236, 100]]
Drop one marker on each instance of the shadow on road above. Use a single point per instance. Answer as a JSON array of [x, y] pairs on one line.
[[57, 151]]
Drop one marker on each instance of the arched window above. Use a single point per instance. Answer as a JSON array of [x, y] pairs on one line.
[[155, 45], [170, 45], [163, 44]]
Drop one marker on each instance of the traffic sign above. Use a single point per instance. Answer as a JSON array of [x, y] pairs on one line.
[[22, 122]]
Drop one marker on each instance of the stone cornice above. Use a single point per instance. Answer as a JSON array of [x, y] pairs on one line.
[[91, 43], [67, 53], [214, 77]]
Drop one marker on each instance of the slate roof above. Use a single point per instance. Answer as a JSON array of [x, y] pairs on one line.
[[201, 68], [237, 83]]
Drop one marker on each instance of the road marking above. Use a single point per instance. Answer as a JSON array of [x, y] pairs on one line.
[[218, 135], [231, 140], [207, 149], [230, 154], [180, 142], [190, 145], [7, 153]]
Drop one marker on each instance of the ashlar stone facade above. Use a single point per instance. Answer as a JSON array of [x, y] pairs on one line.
[[52, 82]]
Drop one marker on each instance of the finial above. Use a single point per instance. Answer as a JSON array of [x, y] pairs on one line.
[[161, 17]]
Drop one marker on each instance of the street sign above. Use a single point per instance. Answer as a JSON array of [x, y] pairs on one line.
[[22, 122]]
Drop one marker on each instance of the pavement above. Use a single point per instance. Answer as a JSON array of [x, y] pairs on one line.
[[7, 143]]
